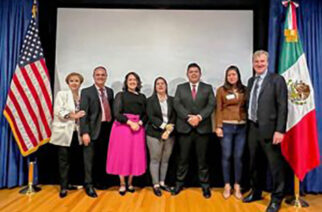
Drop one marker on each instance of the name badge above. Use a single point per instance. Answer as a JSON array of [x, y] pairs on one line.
[[230, 96]]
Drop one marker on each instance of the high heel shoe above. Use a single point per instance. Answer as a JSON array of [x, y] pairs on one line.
[[131, 189], [227, 192], [122, 190], [237, 192]]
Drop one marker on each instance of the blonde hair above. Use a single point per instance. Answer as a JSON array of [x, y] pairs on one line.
[[81, 78], [260, 52]]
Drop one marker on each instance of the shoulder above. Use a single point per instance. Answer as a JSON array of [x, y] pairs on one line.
[[220, 90], [119, 94], [205, 85], [88, 89], [142, 96]]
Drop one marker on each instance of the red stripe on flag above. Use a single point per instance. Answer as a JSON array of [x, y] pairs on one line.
[[28, 105], [16, 131], [24, 122], [42, 86], [300, 146], [36, 97], [43, 64], [294, 21]]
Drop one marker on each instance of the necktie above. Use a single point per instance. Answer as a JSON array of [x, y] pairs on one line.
[[254, 102], [106, 105], [193, 92]]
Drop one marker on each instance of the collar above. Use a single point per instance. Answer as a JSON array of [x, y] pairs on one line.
[[263, 75]]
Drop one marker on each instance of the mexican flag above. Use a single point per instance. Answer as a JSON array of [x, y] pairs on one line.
[[300, 145]]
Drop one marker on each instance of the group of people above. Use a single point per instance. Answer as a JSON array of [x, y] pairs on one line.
[[115, 132]]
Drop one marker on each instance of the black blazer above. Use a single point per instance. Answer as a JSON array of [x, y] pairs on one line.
[[154, 115], [90, 103], [203, 105], [272, 104]]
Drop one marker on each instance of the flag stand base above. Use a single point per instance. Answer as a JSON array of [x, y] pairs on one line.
[[30, 189], [296, 202]]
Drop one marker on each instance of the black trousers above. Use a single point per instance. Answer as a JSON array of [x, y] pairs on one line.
[[275, 161], [198, 142], [65, 155], [95, 155]]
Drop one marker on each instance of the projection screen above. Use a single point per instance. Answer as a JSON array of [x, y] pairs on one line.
[[152, 43]]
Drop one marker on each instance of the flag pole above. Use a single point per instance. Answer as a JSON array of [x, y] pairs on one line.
[[296, 200], [30, 188]]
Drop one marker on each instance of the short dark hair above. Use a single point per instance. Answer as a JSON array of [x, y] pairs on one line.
[[239, 85], [99, 67], [193, 65], [155, 84], [81, 78], [139, 83]]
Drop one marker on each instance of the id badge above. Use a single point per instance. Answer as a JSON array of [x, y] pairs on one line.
[[230, 96]]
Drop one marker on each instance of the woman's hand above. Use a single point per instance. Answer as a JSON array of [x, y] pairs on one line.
[[133, 125], [165, 135], [219, 132], [86, 139], [77, 115]]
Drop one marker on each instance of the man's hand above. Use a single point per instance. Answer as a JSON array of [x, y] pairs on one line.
[[278, 138], [86, 139], [165, 135], [193, 120]]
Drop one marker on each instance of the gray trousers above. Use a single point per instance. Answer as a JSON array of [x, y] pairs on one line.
[[160, 152]]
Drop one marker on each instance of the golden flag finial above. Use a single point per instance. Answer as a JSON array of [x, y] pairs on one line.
[[34, 9]]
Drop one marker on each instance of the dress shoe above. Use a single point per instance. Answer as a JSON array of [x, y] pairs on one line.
[[122, 190], [131, 189], [176, 190], [157, 191], [273, 206], [253, 196], [90, 191], [206, 192], [63, 193]]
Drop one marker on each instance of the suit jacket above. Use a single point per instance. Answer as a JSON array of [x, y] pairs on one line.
[[90, 103], [272, 104], [154, 114], [63, 129], [203, 105]]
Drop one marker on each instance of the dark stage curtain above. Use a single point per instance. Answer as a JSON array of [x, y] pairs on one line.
[[14, 18], [309, 16]]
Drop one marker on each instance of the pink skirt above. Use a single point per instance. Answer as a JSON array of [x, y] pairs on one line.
[[126, 153]]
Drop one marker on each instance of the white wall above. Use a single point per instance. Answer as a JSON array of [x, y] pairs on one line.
[[153, 43]]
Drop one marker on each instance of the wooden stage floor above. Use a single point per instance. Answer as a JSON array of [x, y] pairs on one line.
[[189, 200]]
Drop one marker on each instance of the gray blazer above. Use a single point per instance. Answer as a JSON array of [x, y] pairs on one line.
[[272, 104], [203, 105]]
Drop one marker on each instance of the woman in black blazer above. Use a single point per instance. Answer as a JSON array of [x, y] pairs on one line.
[[160, 139]]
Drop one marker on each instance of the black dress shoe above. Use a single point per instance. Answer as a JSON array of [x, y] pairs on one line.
[[273, 206], [253, 196], [90, 191], [130, 188], [176, 190], [157, 191], [63, 193], [206, 192]]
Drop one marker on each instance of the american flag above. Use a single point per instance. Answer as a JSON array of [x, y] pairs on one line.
[[29, 101]]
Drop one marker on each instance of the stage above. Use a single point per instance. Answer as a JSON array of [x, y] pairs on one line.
[[143, 199]]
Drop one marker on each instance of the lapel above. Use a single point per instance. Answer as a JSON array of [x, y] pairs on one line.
[[70, 100], [264, 83], [157, 104], [188, 88], [198, 90], [95, 96], [169, 107]]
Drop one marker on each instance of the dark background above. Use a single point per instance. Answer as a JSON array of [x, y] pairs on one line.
[[47, 155]]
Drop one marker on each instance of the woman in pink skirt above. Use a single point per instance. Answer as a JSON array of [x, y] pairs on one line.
[[126, 154]]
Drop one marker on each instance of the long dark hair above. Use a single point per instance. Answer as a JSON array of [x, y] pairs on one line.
[[139, 83], [239, 85], [155, 85]]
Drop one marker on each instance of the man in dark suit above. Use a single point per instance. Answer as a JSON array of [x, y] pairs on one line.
[[267, 114], [194, 103], [95, 127]]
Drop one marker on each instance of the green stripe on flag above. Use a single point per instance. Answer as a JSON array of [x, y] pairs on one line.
[[291, 52]]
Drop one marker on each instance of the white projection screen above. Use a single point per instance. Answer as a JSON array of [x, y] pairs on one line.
[[152, 43]]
